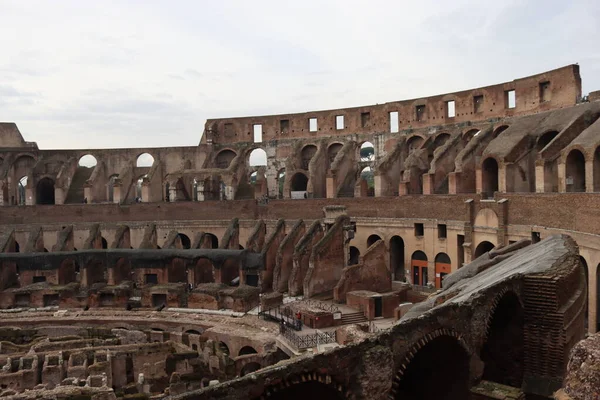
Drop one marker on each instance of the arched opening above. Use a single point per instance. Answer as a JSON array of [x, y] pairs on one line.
[[213, 241], [439, 141], [596, 167], [104, 243], [483, 248], [224, 348], [87, 161], [575, 178], [371, 240], [368, 180], [442, 268], [397, 258], [144, 160], [418, 262], [258, 158], [280, 183], [442, 359], [503, 351], [307, 390], [307, 153], [499, 130], [414, 143], [249, 368], [470, 134], [111, 188], [45, 191], [224, 158], [367, 151], [489, 177], [332, 152], [192, 332], [186, 243], [544, 139], [354, 255], [299, 185], [22, 194], [247, 350]]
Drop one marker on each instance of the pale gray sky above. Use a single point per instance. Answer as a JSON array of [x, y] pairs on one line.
[[90, 74]]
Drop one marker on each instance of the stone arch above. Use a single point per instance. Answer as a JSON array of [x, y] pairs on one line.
[[470, 134], [223, 348], [257, 158], [499, 130], [397, 258], [353, 256], [247, 350], [309, 385], [443, 266], [87, 161], [104, 242], [575, 171], [483, 248], [306, 154], [186, 243], [431, 356], [372, 239], [440, 140], [418, 263], [144, 160], [332, 151], [489, 175], [45, 191], [486, 217], [224, 158], [503, 350], [365, 152], [414, 142], [299, 182], [213, 240]]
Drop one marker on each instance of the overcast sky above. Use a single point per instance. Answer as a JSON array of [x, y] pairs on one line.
[[92, 74]]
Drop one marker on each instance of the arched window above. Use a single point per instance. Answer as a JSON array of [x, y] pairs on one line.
[[371, 240], [224, 158], [144, 160], [88, 161], [258, 158], [307, 153], [367, 151], [354, 255]]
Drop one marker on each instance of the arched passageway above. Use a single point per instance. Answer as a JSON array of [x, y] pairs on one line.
[[418, 263], [483, 248], [439, 370], [224, 158], [186, 243], [307, 390], [354, 255], [45, 191], [307, 153], [397, 258], [371, 240], [489, 173], [299, 185], [575, 179], [247, 350], [442, 268], [503, 351], [213, 241]]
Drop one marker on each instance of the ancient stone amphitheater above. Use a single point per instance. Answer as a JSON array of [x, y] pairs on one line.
[[437, 248]]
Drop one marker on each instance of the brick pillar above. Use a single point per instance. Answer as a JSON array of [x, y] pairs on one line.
[[478, 180], [502, 178], [330, 187], [117, 188], [539, 176], [378, 188], [402, 189], [502, 210], [59, 196], [589, 176], [453, 178], [562, 177], [427, 183]]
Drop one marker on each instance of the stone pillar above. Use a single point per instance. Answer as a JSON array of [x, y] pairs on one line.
[[402, 189], [59, 196], [589, 176], [145, 192], [172, 192], [539, 176], [427, 183], [330, 187], [562, 177], [502, 178], [478, 180], [453, 178]]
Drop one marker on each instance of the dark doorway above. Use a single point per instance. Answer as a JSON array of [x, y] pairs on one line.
[[252, 280], [378, 306], [575, 169], [483, 248], [397, 258], [159, 299], [151, 279], [490, 177], [45, 191], [354, 255]]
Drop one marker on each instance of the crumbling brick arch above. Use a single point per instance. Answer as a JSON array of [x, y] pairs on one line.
[[224, 158], [441, 353], [308, 385], [306, 154], [490, 176], [575, 170], [332, 150], [414, 142], [503, 352]]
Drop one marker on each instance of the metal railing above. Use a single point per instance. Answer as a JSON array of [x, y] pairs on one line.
[[307, 341], [283, 315]]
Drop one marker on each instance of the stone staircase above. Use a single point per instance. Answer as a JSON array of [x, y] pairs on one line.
[[353, 318], [75, 193]]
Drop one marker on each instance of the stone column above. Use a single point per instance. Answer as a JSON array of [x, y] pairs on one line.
[[402, 189], [117, 188], [427, 183], [502, 178], [330, 186], [539, 176], [562, 177], [172, 192], [478, 180], [589, 176], [453, 178], [59, 196]]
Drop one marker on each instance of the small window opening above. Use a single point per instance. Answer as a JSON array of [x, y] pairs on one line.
[[544, 91], [511, 98], [419, 230], [535, 237], [365, 118], [39, 279], [442, 231], [394, 125], [284, 125], [478, 103], [312, 125], [258, 133], [420, 113], [151, 279], [451, 109], [339, 122]]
